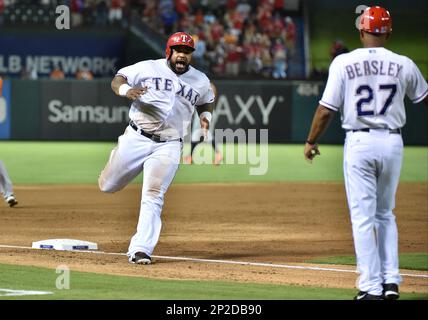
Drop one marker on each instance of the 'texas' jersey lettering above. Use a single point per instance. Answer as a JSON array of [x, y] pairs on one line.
[[167, 84], [373, 67], [163, 84], [191, 94]]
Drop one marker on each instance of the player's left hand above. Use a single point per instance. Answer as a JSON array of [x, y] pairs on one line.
[[205, 126], [311, 151]]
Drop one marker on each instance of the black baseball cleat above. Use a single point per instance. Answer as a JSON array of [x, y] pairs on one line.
[[11, 200], [141, 258], [362, 295], [390, 291]]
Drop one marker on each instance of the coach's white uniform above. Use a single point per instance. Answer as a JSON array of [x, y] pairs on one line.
[[165, 110], [368, 86]]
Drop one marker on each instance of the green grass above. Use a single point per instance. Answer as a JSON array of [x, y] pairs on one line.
[[411, 261], [93, 286], [54, 162], [81, 163]]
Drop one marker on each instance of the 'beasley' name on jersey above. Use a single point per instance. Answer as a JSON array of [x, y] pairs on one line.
[[165, 84], [373, 67]]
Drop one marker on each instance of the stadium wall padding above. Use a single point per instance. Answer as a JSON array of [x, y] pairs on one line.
[[89, 110]]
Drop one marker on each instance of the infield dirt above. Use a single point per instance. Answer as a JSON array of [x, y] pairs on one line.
[[284, 223]]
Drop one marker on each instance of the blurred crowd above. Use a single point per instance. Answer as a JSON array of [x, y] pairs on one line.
[[233, 37]]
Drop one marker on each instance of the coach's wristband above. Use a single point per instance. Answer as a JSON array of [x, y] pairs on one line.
[[207, 115], [123, 89]]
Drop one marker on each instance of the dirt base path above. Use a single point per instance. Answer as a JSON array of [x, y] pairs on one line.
[[268, 223]]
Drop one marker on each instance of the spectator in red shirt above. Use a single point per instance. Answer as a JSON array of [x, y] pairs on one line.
[[182, 7], [217, 31], [233, 58], [264, 15], [278, 27], [150, 13], [231, 4], [199, 18], [253, 62], [115, 12], [338, 47], [76, 12], [278, 7], [1, 11]]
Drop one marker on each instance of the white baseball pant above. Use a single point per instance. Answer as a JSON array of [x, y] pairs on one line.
[[5, 182], [372, 165], [159, 162]]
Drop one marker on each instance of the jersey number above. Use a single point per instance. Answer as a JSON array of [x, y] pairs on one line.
[[368, 92]]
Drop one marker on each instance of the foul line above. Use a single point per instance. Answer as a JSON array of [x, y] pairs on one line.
[[16, 293], [255, 264]]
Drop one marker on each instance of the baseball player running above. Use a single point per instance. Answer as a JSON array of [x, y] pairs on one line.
[[6, 186], [368, 86], [5, 182], [165, 92]]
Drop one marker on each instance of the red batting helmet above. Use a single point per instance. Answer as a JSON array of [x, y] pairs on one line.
[[179, 39], [376, 20]]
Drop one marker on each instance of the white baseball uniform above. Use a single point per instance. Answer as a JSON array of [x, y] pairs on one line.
[[368, 86], [5, 183], [164, 111]]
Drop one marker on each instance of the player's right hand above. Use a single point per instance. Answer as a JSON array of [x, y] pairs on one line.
[[135, 93], [311, 151]]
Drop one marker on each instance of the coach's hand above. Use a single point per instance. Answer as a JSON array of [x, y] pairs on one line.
[[135, 93], [311, 151]]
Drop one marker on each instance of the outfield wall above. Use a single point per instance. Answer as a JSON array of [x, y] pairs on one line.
[[89, 110]]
